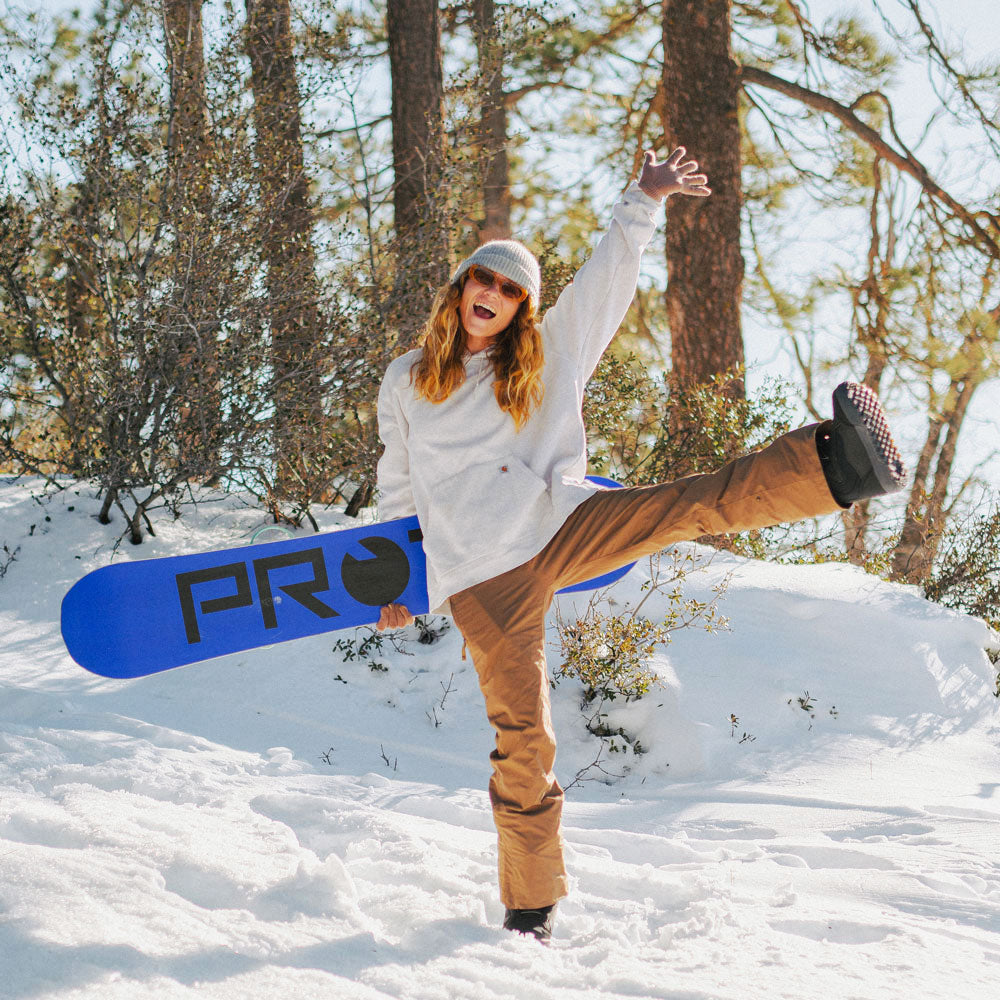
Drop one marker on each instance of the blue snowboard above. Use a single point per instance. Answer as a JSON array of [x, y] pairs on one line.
[[136, 618]]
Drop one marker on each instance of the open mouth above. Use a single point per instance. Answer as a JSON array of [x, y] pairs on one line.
[[483, 312]]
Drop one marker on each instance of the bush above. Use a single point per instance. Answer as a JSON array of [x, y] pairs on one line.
[[647, 430], [966, 574], [610, 653], [146, 343]]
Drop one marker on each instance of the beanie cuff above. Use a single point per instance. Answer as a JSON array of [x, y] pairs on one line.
[[509, 258]]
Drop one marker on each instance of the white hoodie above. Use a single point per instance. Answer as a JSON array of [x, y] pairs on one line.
[[489, 497]]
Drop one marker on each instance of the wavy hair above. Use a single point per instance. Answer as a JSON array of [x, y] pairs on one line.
[[516, 355]]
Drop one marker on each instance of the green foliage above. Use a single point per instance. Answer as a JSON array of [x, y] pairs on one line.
[[808, 705], [994, 657], [127, 360], [9, 556], [734, 725], [429, 631], [610, 653], [613, 403], [796, 545], [646, 430], [557, 271], [966, 575], [135, 342], [365, 645], [702, 427]]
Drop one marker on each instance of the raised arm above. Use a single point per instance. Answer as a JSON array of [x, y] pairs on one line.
[[590, 309]]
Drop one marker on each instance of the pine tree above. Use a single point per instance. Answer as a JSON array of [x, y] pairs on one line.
[[705, 265], [419, 198]]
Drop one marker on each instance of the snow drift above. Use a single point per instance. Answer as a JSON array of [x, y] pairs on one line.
[[285, 823]]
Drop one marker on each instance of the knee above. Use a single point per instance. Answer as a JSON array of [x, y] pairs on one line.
[[523, 781], [515, 682]]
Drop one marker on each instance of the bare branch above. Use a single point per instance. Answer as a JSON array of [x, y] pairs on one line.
[[986, 238]]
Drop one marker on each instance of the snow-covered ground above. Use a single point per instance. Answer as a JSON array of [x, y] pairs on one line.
[[285, 824]]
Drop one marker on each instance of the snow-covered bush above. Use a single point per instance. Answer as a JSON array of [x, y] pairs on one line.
[[966, 575], [610, 652]]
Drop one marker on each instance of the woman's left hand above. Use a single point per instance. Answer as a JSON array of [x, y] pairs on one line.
[[675, 175], [394, 616]]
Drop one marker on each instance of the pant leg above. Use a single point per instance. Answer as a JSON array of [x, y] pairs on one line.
[[503, 622], [782, 483]]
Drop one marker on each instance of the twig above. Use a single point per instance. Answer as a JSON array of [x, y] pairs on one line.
[[595, 764], [391, 764], [447, 690]]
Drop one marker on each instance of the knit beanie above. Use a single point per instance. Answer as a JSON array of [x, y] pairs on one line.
[[511, 259]]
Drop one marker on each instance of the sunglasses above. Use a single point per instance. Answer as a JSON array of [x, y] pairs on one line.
[[508, 289]]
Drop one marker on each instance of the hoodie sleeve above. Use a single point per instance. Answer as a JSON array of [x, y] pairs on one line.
[[588, 312], [395, 496]]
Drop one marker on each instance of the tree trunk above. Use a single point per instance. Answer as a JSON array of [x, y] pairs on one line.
[[493, 124], [293, 293], [83, 330], [701, 85], [872, 307], [419, 196], [919, 541], [194, 320], [190, 144]]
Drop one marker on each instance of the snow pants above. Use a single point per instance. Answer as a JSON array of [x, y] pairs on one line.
[[503, 623]]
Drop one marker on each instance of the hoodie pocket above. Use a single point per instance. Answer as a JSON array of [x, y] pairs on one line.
[[482, 510]]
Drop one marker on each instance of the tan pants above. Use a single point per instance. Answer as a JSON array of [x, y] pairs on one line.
[[503, 622]]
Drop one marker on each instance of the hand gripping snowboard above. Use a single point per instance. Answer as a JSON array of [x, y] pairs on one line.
[[136, 618]]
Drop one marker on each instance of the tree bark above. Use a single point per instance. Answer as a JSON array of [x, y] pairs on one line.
[[194, 317], [705, 267], [293, 293], [190, 142], [919, 541], [419, 196], [872, 307], [493, 124]]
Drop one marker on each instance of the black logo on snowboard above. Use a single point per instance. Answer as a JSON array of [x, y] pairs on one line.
[[372, 582], [377, 581]]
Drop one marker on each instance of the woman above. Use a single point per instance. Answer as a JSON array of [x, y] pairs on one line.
[[485, 442]]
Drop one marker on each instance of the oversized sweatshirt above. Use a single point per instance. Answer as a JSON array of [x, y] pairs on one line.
[[489, 497]]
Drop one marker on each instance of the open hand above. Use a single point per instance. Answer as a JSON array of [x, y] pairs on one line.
[[394, 616], [675, 175]]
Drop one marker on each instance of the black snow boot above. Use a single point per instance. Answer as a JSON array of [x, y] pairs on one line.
[[538, 922], [859, 457]]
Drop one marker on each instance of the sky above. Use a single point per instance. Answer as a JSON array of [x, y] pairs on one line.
[[973, 26]]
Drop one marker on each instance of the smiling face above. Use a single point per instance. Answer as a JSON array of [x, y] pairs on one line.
[[485, 312]]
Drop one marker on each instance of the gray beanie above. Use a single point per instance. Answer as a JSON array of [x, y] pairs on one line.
[[511, 259]]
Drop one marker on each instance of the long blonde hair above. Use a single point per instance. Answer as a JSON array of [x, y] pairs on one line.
[[516, 355]]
